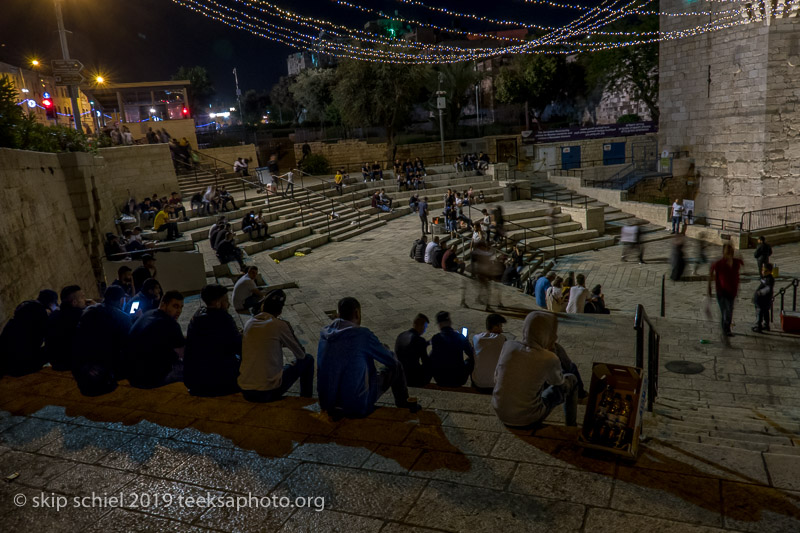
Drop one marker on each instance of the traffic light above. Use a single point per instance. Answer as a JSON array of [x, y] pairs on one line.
[[185, 112], [49, 108]]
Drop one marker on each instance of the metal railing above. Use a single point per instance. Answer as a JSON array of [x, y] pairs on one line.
[[653, 346], [541, 234], [773, 217], [782, 294], [610, 182], [568, 197]]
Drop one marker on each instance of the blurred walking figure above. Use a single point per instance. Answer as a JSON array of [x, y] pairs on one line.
[[677, 259], [725, 274], [702, 255], [631, 239]]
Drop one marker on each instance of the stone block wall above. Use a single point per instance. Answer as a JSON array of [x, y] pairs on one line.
[[58, 207], [229, 154], [41, 243], [547, 156], [730, 98]]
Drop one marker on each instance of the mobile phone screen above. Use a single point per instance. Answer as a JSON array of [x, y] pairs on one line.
[[134, 307], [464, 331]]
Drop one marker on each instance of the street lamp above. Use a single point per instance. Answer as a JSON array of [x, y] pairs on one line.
[[73, 90], [35, 62], [100, 79]]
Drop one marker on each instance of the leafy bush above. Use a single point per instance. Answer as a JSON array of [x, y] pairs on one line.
[[21, 130], [316, 164], [630, 118]]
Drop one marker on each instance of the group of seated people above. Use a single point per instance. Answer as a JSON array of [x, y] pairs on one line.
[[471, 162], [382, 201], [371, 172], [569, 295], [222, 237], [212, 201], [150, 207], [434, 254], [410, 174], [102, 343], [129, 245]]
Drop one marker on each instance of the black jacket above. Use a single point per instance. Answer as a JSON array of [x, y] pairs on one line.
[[763, 252], [21, 340], [150, 350], [419, 251], [97, 349], [61, 328], [763, 295], [212, 356], [412, 351], [140, 275]]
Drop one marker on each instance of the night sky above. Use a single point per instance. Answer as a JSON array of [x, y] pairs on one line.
[[147, 40]]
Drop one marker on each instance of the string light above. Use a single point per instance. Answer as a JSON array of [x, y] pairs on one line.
[[559, 41]]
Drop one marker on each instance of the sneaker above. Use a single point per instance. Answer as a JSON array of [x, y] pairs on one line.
[[757, 329]]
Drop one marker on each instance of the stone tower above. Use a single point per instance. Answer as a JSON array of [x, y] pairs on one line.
[[731, 99]]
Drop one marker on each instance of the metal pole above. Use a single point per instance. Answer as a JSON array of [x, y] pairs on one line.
[[477, 112], [73, 93], [663, 294], [441, 120], [239, 98]]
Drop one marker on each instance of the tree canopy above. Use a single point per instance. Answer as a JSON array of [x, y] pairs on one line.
[[201, 90]]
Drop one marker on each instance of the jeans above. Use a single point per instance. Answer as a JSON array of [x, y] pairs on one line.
[[232, 257], [172, 230], [290, 189], [567, 393], [256, 228], [395, 379], [424, 221], [302, 369], [676, 224], [725, 302], [225, 200], [762, 316], [181, 209]]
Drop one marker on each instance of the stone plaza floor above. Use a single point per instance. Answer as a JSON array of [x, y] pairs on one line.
[[722, 451]]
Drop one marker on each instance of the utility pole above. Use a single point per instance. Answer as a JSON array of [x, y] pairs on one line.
[[477, 111], [239, 98], [440, 103], [73, 90]]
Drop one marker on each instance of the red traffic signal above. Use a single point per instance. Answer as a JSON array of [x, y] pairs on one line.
[[185, 111], [47, 103]]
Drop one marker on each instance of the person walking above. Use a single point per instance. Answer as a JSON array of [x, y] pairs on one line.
[[423, 214], [677, 216], [762, 253], [725, 274], [763, 298]]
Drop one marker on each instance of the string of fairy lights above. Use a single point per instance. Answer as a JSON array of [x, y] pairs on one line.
[[585, 33]]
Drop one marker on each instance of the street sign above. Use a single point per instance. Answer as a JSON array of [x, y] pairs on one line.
[[441, 102], [66, 64], [69, 78]]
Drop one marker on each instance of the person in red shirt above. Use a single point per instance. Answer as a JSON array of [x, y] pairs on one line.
[[725, 273]]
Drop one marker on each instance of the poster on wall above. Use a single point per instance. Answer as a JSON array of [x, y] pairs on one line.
[[688, 209]]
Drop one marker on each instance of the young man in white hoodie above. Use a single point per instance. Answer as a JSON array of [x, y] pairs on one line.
[[529, 382]]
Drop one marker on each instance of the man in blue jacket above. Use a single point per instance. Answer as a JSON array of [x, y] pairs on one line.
[[348, 383], [540, 289]]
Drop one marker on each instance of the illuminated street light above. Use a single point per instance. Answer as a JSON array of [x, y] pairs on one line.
[[100, 79], [35, 62]]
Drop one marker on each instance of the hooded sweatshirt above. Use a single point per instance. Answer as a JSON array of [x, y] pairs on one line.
[[346, 375], [524, 370]]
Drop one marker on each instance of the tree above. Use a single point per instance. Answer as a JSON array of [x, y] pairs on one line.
[[378, 94], [254, 106], [201, 89], [11, 115], [312, 91], [283, 101], [530, 80], [458, 81], [632, 68]]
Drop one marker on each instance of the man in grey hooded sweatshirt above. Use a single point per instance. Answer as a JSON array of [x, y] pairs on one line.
[[529, 381]]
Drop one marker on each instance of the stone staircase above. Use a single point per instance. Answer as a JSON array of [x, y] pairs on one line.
[[615, 218]]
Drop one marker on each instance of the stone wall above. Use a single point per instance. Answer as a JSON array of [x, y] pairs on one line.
[[57, 209], [731, 99], [41, 244], [176, 128], [351, 154], [229, 154]]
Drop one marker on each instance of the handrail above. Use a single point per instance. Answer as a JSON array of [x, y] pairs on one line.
[[138, 253], [653, 347], [571, 196], [525, 237], [328, 216], [770, 217], [782, 293], [627, 169]]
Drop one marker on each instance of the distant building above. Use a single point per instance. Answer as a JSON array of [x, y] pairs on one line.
[[298, 62]]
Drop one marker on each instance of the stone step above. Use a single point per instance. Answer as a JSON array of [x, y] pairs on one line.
[[277, 239], [288, 249], [358, 231], [564, 226]]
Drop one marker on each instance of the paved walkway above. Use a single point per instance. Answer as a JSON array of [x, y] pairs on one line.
[[453, 466]]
